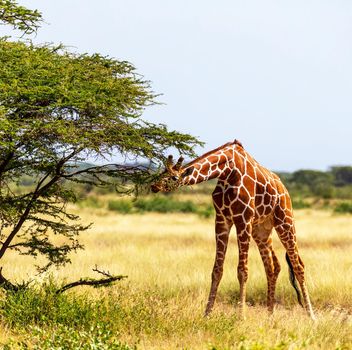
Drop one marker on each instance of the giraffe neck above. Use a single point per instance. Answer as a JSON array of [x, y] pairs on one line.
[[209, 166]]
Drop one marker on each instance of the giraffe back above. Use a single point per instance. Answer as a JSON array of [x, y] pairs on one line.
[[246, 189]]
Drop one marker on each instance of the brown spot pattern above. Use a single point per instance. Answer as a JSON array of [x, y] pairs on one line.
[[254, 200]]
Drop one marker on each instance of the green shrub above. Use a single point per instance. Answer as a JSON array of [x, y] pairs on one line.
[[300, 204], [124, 206], [206, 212], [186, 207], [164, 205], [344, 192], [42, 306], [160, 204], [46, 320], [65, 337], [91, 202], [344, 207]]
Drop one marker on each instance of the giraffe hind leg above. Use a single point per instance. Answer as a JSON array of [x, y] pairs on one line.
[[262, 237], [286, 233]]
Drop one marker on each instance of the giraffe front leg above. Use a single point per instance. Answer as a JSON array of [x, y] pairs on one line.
[[243, 239], [222, 230]]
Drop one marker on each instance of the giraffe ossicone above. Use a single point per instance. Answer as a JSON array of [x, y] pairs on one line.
[[254, 200]]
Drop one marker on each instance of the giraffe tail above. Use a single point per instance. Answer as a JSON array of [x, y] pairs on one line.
[[293, 280]]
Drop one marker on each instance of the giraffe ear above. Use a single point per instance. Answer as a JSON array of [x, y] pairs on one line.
[[177, 166], [169, 162], [187, 172]]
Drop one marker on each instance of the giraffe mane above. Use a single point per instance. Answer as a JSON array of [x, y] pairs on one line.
[[235, 142]]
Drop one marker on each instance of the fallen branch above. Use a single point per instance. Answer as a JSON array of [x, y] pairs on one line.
[[108, 280], [7, 285]]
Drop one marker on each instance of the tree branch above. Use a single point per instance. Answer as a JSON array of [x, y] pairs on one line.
[[20, 17], [7, 285], [6, 161], [104, 169], [36, 194], [108, 280]]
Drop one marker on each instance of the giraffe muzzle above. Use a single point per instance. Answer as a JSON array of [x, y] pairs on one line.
[[155, 188]]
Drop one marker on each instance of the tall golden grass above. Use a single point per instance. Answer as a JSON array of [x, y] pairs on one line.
[[168, 259]]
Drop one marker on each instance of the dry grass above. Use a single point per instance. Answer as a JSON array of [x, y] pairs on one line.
[[168, 259]]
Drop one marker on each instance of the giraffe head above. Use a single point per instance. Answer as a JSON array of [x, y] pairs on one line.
[[171, 178]]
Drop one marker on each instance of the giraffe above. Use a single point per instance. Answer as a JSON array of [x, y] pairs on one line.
[[254, 200]]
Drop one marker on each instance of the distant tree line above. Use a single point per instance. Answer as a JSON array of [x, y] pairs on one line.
[[334, 183]]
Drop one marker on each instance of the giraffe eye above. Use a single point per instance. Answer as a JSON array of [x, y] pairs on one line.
[[174, 178]]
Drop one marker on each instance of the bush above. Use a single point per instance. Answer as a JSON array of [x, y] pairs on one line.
[[158, 204], [344, 207], [46, 320], [40, 305], [123, 206], [65, 337], [164, 205], [206, 212], [344, 192], [91, 202], [300, 204]]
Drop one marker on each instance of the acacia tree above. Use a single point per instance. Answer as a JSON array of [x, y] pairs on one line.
[[57, 109], [19, 17]]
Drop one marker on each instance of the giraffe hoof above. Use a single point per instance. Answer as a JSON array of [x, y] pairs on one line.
[[313, 317], [206, 313], [270, 310], [242, 315]]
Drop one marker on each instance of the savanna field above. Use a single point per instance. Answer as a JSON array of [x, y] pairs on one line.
[[168, 258], [140, 263]]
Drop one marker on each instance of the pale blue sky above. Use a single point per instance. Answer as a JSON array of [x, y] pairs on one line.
[[276, 75]]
